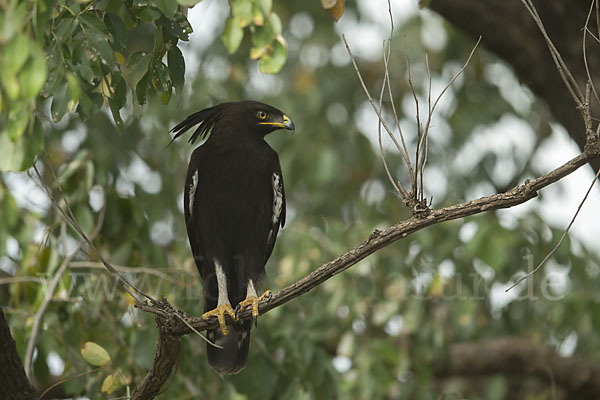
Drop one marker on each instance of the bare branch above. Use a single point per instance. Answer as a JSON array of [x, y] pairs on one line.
[[562, 238], [561, 66], [124, 283], [379, 239], [39, 314], [523, 358], [586, 31]]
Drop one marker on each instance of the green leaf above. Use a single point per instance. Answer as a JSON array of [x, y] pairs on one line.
[[258, 18], [82, 66], [232, 35], [119, 90], [137, 66], [167, 7], [242, 11], [101, 47], [110, 384], [165, 96], [266, 6], [14, 21], [64, 29], [95, 354], [276, 23], [21, 155], [92, 21], [11, 154], [272, 62], [15, 54], [74, 87], [145, 12], [176, 67], [18, 118], [114, 109], [86, 221], [188, 3], [141, 88], [60, 102], [117, 29], [11, 86], [263, 35], [178, 27], [33, 75]]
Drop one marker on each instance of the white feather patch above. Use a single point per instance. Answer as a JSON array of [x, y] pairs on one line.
[[277, 197], [192, 191], [221, 283]]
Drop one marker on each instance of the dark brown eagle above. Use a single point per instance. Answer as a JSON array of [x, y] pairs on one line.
[[234, 205]]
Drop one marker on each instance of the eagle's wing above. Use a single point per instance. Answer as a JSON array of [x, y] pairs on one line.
[[277, 210]]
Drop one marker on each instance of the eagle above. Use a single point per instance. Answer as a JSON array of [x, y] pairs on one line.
[[234, 205]]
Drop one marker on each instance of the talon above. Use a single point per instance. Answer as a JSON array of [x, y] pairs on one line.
[[253, 301], [237, 310], [220, 312]]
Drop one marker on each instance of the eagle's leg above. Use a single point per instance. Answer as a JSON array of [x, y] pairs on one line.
[[252, 299], [223, 305]]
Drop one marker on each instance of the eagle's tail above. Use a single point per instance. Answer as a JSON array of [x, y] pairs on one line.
[[231, 359]]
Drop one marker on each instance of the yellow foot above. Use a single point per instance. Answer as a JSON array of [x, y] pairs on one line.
[[220, 312], [253, 301]]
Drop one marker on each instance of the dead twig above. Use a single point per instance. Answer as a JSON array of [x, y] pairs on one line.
[[124, 283], [39, 314]]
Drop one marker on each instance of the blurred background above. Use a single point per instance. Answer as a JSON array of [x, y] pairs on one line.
[[386, 327]]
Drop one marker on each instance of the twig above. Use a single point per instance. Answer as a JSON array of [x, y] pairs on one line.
[[20, 279], [583, 106], [562, 238], [561, 66], [366, 90], [386, 78], [197, 333], [39, 315], [122, 268], [398, 187], [124, 283], [586, 31], [70, 379]]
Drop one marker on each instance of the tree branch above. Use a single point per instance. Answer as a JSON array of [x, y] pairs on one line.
[[379, 239], [514, 355], [13, 381], [510, 32], [39, 314], [167, 353]]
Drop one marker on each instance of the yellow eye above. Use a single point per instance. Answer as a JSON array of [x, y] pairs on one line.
[[261, 114]]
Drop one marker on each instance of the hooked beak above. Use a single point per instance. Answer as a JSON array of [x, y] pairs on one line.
[[286, 123]]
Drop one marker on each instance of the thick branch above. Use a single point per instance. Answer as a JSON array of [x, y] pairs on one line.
[[379, 239], [13, 381], [518, 356], [167, 353], [508, 30]]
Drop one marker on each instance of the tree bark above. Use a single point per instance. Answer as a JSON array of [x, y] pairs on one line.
[[524, 358], [167, 354], [508, 30], [14, 384]]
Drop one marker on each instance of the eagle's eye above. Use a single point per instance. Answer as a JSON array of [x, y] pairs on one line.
[[261, 115]]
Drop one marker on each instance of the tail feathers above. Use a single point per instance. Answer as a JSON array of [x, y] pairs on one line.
[[231, 359]]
